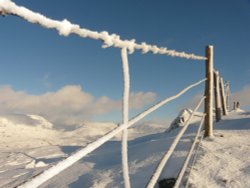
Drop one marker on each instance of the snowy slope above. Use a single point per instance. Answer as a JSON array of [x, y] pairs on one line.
[[224, 161], [102, 168], [29, 144]]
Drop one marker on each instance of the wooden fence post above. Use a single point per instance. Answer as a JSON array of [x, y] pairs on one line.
[[227, 95], [223, 98], [217, 96], [209, 92]]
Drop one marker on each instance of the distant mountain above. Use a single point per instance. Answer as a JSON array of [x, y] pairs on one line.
[[25, 120]]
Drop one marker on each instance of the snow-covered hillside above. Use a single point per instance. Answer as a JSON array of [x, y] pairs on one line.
[[28, 150], [29, 143]]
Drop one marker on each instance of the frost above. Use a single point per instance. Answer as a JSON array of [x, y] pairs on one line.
[[125, 110], [66, 28], [33, 164]]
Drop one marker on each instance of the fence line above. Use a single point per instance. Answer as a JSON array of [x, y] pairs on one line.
[[217, 96], [65, 28], [60, 166], [193, 160], [190, 153], [224, 105], [227, 85], [170, 150]]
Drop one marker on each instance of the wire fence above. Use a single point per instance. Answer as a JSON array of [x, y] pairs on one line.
[[66, 28]]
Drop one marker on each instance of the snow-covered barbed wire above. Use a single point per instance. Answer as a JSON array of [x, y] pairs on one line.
[[166, 156], [66, 28], [59, 167]]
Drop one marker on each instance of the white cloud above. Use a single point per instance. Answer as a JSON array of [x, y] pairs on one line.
[[69, 105], [140, 99]]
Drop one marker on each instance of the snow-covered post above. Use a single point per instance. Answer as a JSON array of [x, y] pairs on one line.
[[217, 96], [209, 92], [227, 94], [223, 98], [125, 115]]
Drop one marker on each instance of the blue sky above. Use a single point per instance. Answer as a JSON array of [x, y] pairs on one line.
[[36, 61]]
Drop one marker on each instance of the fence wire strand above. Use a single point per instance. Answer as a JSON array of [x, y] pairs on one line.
[[166, 156], [190, 153], [66, 28]]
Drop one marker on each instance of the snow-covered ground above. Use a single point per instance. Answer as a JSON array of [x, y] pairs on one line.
[[30, 144], [224, 161]]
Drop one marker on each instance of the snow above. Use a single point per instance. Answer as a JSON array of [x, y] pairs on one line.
[[66, 28], [224, 161], [183, 116], [34, 164], [153, 180], [227, 153], [25, 161], [190, 154], [26, 131], [42, 121], [64, 164]]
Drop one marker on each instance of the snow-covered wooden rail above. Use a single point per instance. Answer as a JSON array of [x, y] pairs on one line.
[[65, 28]]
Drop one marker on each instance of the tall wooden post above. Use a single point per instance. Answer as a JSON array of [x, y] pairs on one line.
[[223, 98], [217, 96], [209, 92]]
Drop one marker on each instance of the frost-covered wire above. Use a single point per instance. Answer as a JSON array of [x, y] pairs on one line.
[[66, 28], [163, 102], [190, 153], [169, 152], [125, 111], [62, 165], [194, 159]]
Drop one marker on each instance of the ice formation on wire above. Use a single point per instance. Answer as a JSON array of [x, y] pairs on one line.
[[66, 28]]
